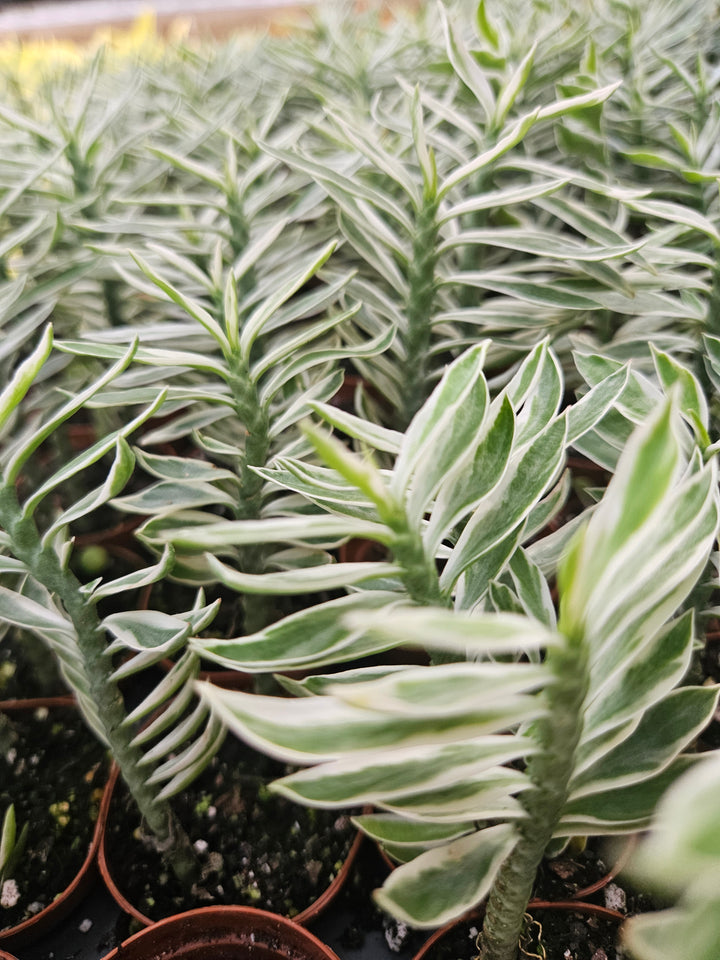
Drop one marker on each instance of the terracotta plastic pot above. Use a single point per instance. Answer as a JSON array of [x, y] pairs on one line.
[[6, 956], [223, 933], [304, 917], [48, 918]]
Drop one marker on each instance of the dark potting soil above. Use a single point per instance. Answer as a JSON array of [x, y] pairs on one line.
[[550, 935], [26, 670], [53, 770], [255, 848]]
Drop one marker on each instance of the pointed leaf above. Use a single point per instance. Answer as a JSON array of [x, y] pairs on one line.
[[30, 615], [191, 307], [446, 882], [311, 729], [91, 455], [31, 444], [313, 637], [308, 580], [388, 828], [136, 579], [691, 398], [24, 376], [467, 68], [371, 433], [664, 730], [167, 496], [462, 388], [146, 630], [437, 629], [378, 778], [626, 809], [275, 530], [443, 689], [525, 480], [473, 478], [119, 474], [253, 326]]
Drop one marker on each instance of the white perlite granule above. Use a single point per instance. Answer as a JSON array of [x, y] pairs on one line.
[[9, 895], [396, 933], [615, 897]]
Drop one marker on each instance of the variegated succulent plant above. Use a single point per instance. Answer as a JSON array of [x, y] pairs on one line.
[[542, 730]]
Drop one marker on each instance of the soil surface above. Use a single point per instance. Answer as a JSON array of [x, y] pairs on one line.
[[550, 935], [255, 848], [53, 770], [27, 669]]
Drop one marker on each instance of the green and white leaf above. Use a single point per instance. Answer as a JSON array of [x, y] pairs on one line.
[[444, 883]]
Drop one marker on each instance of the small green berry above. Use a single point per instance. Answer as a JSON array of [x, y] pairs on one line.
[[93, 560]]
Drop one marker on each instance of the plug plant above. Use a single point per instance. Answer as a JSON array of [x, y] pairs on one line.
[[12, 845], [273, 356], [46, 598], [486, 764]]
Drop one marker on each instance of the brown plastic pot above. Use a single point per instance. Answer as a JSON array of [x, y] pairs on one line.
[[304, 917], [46, 920], [6, 956], [223, 933]]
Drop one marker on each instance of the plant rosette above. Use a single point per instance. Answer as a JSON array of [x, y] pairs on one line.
[[255, 849], [223, 933], [53, 772]]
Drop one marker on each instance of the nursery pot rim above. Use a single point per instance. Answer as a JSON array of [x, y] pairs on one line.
[[222, 926], [308, 915], [50, 916]]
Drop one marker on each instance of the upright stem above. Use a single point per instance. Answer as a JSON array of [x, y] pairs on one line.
[[82, 182], [550, 771], [421, 299], [102, 691], [420, 574], [239, 237], [251, 413], [111, 295], [473, 254]]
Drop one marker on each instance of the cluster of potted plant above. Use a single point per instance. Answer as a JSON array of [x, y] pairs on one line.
[[375, 365]]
